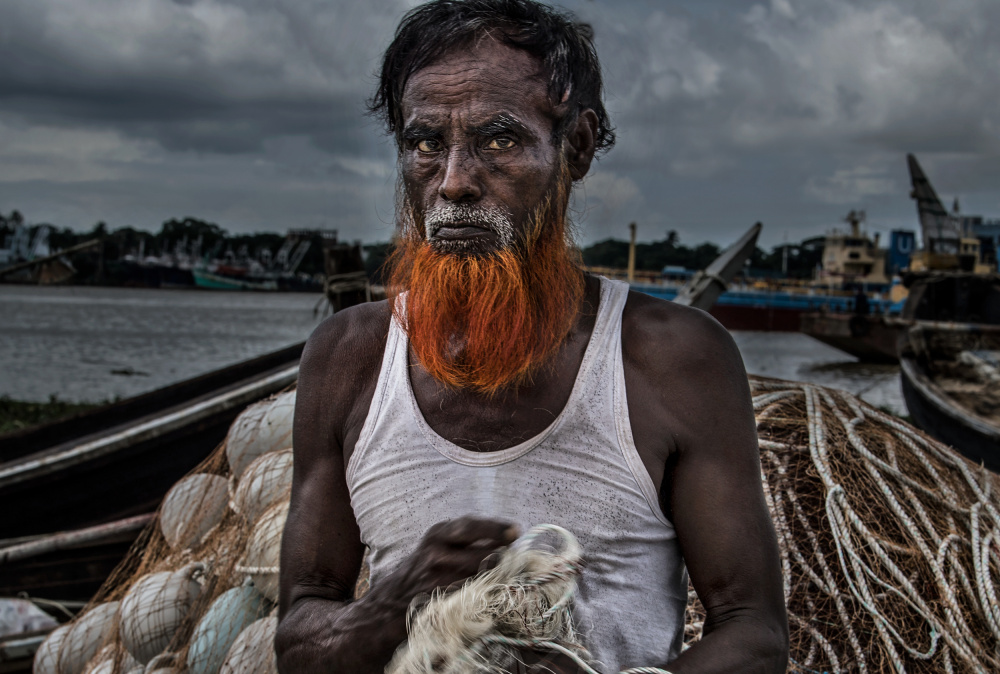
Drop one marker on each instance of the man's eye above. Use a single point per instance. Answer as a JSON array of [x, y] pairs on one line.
[[428, 145], [501, 144]]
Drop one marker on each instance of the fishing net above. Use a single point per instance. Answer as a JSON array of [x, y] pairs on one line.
[[889, 550]]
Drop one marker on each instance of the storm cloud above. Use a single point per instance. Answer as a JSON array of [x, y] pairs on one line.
[[250, 113]]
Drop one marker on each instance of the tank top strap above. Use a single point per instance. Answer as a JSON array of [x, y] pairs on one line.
[[392, 377]]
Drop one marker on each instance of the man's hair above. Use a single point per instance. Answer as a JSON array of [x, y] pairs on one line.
[[564, 45]]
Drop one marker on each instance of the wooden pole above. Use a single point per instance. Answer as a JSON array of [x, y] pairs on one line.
[[631, 253]]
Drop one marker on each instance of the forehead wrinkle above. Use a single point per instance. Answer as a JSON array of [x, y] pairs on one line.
[[454, 73], [458, 87]]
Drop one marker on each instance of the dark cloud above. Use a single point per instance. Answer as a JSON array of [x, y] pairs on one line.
[[251, 113]]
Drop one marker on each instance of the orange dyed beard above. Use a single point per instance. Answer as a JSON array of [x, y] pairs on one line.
[[489, 323]]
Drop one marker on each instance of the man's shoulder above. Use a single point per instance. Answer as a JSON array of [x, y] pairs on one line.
[[347, 343], [663, 337]]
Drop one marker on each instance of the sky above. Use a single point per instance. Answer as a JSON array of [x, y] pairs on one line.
[[250, 114]]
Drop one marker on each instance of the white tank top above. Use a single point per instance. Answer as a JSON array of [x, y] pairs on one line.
[[582, 473]]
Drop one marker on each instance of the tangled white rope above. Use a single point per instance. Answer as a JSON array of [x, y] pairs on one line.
[[522, 603], [902, 567]]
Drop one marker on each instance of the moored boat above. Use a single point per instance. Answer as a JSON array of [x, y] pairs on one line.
[[217, 281], [871, 338], [771, 310], [950, 376]]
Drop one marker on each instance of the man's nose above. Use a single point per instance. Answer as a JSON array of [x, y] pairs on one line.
[[460, 182]]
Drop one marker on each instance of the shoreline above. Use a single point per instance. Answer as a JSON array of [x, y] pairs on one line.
[[17, 415]]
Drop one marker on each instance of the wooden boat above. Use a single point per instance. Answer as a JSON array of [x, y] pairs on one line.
[[118, 461], [950, 376], [69, 565]]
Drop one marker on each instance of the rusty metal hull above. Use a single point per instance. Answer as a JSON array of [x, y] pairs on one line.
[[870, 339]]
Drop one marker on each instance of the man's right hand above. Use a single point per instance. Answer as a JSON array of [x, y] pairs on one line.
[[450, 553]]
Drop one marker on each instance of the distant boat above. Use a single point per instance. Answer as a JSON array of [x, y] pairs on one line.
[[949, 239], [777, 305], [946, 279], [871, 338], [741, 308], [217, 281]]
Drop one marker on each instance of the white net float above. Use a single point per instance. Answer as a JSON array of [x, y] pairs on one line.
[[261, 428], [104, 663], [47, 655], [85, 637], [253, 650], [263, 553], [154, 608], [266, 482], [108, 667], [165, 663], [192, 508], [222, 623]]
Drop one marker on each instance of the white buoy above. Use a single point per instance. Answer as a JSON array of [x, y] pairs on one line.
[[164, 662], [85, 637], [154, 608], [47, 656], [106, 663], [229, 614], [264, 551], [261, 428], [192, 508], [266, 482], [253, 650], [108, 667]]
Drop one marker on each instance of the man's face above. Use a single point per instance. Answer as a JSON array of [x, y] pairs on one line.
[[477, 152]]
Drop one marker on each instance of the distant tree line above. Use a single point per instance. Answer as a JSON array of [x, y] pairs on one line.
[[798, 260], [214, 242]]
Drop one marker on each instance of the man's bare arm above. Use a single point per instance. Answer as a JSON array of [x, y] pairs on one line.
[[321, 629], [321, 548], [715, 498]]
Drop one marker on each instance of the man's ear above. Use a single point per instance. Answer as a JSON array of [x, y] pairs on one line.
[[581, 145]]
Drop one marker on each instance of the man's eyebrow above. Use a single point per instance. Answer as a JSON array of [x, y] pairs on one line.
[[418, 130], [502, 123]]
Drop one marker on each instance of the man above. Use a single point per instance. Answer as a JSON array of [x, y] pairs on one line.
[[500, 387]]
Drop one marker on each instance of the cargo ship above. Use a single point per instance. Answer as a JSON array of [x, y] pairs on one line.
[[749, 308]]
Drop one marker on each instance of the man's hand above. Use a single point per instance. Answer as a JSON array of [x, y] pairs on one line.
[[449, 553]]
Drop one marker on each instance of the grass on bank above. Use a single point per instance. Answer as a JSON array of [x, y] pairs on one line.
[[16, 414]]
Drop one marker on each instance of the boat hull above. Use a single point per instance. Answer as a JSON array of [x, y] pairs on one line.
[[210, 281], [870, 339], [777, 311], [932, 410], [950, 387]]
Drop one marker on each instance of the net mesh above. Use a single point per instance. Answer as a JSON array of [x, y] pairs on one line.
[[889, 550]]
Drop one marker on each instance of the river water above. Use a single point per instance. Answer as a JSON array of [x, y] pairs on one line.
[[92, 344]]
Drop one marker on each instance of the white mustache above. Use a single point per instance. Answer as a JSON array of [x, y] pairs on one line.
[[492, 217]]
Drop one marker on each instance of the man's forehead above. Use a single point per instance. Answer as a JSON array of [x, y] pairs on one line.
[[488, 74]]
